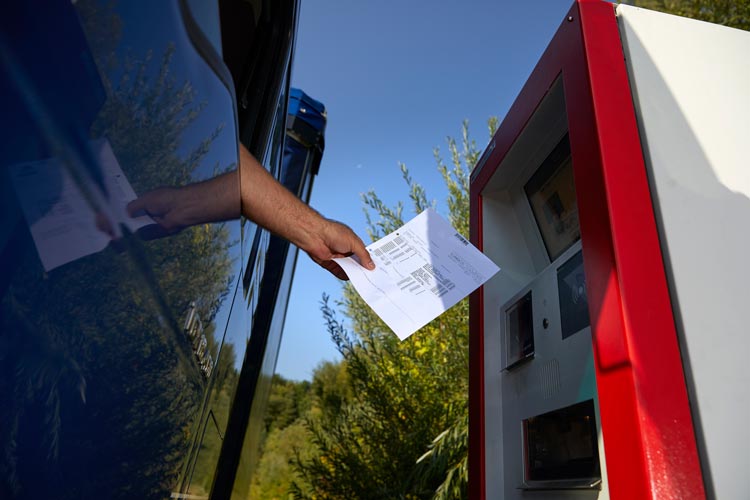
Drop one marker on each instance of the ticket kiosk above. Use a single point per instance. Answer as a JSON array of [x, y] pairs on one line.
[[607, 355]]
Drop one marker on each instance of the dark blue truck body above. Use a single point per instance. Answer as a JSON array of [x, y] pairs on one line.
[[134, 367]]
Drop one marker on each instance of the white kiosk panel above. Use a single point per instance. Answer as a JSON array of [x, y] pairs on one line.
[[691, 89]]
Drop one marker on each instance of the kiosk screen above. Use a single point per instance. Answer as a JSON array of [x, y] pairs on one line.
[[574, 305], [561, 445], [519, 339], [552, 195]]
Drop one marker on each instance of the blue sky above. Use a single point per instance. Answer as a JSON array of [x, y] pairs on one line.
[[397, 77]]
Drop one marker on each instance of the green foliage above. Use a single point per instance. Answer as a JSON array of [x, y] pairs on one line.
[[330, 388], [287, 401], [275, 471], [734, 13], [447, 456], [401, 429], [288, 439]]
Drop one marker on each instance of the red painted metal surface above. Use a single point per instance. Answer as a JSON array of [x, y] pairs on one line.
[[646, 422], [476, 365], [652, 378]]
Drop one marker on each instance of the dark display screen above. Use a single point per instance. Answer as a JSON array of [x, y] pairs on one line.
[[562, 444], [574, 304], [519, 331]]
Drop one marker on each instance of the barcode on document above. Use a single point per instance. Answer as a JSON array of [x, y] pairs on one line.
[[462, 239], [387, 247]]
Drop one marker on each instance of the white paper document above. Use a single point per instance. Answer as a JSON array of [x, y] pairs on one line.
[[422, 269], [61, 221]]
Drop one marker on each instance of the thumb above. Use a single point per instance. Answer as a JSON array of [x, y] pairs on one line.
[[363, 255], [136, 207]]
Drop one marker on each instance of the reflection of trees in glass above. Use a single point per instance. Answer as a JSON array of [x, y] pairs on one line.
[[99, 385], [220, 401]]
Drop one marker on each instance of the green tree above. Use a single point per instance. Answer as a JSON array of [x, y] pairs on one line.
[[275, 473], [734, 13], [287, 402], [401, 429], [291, 404]]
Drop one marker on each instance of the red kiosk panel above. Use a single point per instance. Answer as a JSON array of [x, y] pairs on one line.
[[646, 423]]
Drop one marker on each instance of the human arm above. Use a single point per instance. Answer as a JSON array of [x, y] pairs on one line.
[[269, 204], [175, 208], [262, 199]]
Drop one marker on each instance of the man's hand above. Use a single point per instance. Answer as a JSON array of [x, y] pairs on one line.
[[164, 207], [331, 239], [175, 208]]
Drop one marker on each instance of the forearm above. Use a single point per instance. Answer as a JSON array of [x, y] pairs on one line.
[[213, 200], [175, 208], [268, 203], [260, 198]]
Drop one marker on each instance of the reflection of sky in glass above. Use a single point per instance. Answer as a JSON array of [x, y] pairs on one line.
[[145, 32]]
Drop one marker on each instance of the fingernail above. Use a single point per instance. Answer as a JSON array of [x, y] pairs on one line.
[[371, 265]]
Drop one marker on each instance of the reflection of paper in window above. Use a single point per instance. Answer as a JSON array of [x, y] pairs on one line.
[[61, 221], [422, 269]]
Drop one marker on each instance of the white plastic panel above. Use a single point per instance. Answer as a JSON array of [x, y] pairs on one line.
[[691, 89]]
